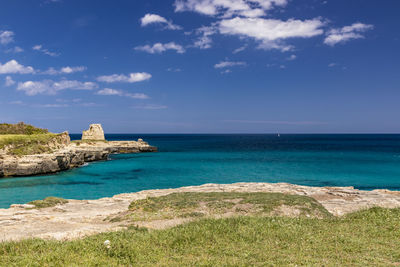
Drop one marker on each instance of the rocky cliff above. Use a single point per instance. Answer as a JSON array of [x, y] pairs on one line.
[[61, 154]]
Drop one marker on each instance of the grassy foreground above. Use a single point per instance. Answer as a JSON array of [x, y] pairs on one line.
[[365, 238]]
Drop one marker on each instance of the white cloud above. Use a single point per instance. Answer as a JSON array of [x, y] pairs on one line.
[[226, 71], [150, 107], [226, 64], [9, 81], [64, 70], [17, 102], [13, 66], [50, 105], [240, 49], [15, 50], [271, 32], [69, 70], [204, 41], [132, 78], [292, 57], [136, 95], [331, 65], [346, 33], [114, 92], [159, 48], [109, 91], [50, 87], [45, 51], [157, 19], [229, 8], [6, 37], [174, 69]]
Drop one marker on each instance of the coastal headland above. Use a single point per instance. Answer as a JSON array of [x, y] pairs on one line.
[[39, 152]]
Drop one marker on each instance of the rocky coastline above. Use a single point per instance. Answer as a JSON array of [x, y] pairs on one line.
[[80, 218], [67, 155]]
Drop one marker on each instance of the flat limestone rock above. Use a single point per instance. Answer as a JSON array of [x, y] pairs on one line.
[[79, 218], [95, 132]]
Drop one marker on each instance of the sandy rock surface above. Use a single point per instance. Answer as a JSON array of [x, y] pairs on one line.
[[80, 218]]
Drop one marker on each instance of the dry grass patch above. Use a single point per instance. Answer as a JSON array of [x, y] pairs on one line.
[[190, 206], [48, 202]]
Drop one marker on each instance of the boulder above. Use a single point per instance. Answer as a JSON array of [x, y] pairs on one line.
[[94, 133]]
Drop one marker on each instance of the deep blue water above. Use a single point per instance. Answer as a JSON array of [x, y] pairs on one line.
[[364, 161]]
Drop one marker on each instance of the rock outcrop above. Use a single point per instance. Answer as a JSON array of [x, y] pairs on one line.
[[95, 132], [65, 154], [79, 218], [70, 156]]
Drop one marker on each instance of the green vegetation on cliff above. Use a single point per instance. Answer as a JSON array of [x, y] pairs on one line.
[[26, 144], [20, 128], [24, 139], [366, 238]]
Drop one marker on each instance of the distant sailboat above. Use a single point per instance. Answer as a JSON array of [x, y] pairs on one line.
[[279, 135]]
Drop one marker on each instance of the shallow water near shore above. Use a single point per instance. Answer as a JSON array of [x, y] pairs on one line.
[[364, 161]]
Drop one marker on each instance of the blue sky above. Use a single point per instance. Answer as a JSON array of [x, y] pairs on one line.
[[202, 66]]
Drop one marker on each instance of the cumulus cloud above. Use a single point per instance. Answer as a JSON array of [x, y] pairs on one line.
[[9, 81], [50, 87], [132, 78], [159, 48], [229, 8], [13, 66], [271, 33], [291, 57], [64, 70], [114, 92], [347, 33], [6, 37], [227, 64], [45, 51], [157, 19]]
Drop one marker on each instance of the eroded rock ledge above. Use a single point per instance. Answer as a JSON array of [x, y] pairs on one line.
[[70, 155], [79, 218]]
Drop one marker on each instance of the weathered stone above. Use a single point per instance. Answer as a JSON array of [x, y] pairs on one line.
[[95, 132], [69, 155], [79, 218]]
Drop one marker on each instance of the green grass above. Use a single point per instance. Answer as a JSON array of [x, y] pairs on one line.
[[186, 205], [366, 238], [20, 128], [48, 202], [27, 144]]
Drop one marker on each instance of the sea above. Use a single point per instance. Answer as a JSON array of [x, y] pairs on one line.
[[367, 162]]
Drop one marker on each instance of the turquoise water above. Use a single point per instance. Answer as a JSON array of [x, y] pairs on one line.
[[364, 161]]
